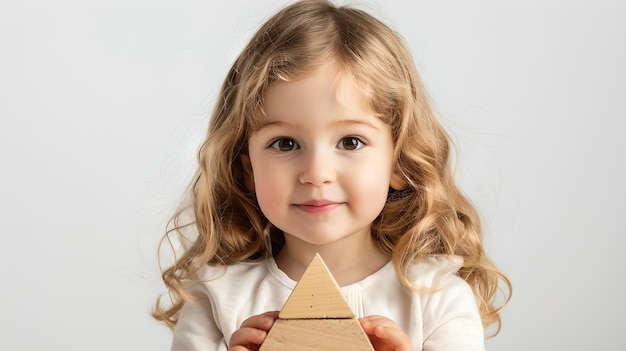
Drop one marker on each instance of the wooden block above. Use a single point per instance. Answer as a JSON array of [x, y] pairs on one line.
[[316, 295], [316, 317], [316, 335]]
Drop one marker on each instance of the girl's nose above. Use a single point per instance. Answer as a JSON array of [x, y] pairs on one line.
[[317, 169]]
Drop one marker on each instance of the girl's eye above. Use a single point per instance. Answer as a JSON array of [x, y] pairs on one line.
[[350, 143], [285, 144]]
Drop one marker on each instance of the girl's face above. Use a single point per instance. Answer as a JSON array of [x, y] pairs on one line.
[[321, 162]]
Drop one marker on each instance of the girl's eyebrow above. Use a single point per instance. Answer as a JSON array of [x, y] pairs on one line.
[[353, 122], [268, 124]]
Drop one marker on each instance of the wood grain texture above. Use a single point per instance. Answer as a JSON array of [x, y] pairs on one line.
[[316, 335], [316, 295]]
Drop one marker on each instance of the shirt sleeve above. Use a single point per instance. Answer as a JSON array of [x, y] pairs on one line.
[[457, 323], [197, 329]]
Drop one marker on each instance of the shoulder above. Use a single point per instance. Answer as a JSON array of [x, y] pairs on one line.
[[241, 269], [225, 296], [447, 295], [223, 278], [435, 271], [449, 308], [239, 284], [440, 288]]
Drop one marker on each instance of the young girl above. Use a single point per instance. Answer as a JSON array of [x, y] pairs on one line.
[[323, 141]]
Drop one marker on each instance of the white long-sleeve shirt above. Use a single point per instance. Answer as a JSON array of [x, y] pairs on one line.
[[444, 320]]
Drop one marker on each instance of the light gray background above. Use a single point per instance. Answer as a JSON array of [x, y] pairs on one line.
[[103, 105]]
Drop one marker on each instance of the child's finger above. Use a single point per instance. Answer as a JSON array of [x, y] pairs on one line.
[[247, 336], [392, 335], [252, 331], [238, 348], [262, 321], [378, 320], [385, 334]]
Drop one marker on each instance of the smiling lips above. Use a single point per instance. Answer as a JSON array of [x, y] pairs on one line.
[[318, 206]]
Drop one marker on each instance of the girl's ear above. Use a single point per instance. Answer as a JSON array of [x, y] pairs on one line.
[[397, 182], [248, 175]]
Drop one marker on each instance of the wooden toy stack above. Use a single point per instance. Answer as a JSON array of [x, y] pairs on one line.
[[316, 317]]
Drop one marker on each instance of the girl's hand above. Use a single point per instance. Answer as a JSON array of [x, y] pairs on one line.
[[252, 332], [385, 334]]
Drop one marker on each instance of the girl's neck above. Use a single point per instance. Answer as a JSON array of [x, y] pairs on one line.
[[349, 261]]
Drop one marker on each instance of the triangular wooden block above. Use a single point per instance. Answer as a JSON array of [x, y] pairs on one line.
[[316, 295], [316, 317]]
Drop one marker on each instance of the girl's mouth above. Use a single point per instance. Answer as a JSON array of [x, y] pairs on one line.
[[318, 206]]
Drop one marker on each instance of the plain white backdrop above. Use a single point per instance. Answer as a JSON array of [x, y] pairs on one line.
[[103, 105]]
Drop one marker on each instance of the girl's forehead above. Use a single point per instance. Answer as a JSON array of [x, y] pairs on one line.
[[328, 77], [327, 86]]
